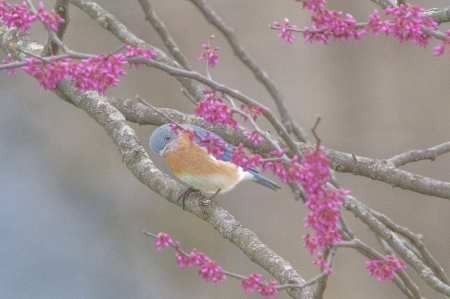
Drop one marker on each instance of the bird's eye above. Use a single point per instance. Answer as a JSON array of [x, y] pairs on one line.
[[167, 137]]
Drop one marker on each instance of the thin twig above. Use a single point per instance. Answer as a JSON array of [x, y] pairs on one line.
[[163, 32], [417, 155], [62, 9], [260, 74]]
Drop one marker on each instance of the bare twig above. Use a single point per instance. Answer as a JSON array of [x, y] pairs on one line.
[[417, 155], [163, 32]]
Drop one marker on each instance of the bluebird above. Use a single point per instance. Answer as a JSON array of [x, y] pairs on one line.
[[192, 164]]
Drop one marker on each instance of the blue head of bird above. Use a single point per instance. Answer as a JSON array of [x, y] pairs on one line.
[[163, 139]]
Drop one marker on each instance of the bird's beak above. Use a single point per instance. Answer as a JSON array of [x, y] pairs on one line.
[[162, 152]]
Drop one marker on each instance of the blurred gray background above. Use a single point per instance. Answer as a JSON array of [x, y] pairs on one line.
[[72, 215]]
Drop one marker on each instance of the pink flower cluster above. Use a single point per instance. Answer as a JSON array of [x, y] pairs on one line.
[[323, 264], [215, 146], [439, 50], [253, 111], [10, 71], [285, 30], [253, 136], [406, 26], [276, 166], [163, 240], [210, 269], [209, 56], [384, 269], [329, 23], [95, 73], [146, 53], [322, 201], [18, 16], [213, 110]]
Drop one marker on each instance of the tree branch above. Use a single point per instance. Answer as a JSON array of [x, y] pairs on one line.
[[119, 30]]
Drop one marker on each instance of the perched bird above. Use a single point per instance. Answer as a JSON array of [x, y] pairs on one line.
[[192, 164]]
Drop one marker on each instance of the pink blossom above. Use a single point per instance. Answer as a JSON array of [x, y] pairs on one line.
[[310, 242], [214, 145], [198, 258], [268, 289], [285, 31], [209, 56], [329, 23], [253, 136], [323, 264], [384, 269], [276, 166], [163, 240], [213, 110], [253, 161], [408, 22], [254, 111], [10, 71], [375, 24], [48, 74], [51, 18], [174, 128], [313, 5], [98, 72], [250, 282], [144, 52], [16, 16], [183, 260], [294, 172], [239, 155], [211, 271], [439, 50]]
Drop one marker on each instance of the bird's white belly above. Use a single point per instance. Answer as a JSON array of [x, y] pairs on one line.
[[209, 183]]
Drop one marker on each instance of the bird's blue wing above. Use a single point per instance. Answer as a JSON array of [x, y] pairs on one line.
[[203, 133]]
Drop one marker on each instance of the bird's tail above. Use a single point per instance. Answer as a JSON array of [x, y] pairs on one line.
[[257, 178]]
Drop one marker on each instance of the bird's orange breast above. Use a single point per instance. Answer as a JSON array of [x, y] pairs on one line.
[[188, 158]]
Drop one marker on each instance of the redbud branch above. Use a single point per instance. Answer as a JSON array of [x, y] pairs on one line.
[[222, 88], [401, 273], [163, 32], [51, 32], [62, 9], [247, 116], [372, 254], [416, 240], [417, 155], [427, 275], [240, 277], [260, 74], [113, 25], [377, 169]]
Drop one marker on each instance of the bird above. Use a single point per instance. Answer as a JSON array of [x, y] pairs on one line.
[[192, 164]]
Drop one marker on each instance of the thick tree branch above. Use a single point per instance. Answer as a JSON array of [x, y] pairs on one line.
[[439, 15]]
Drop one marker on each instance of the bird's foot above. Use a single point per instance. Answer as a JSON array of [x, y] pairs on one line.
[[208, 200], [186, 194]]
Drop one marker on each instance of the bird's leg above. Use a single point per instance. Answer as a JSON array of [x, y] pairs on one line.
[[207, 200], [186, 194]]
